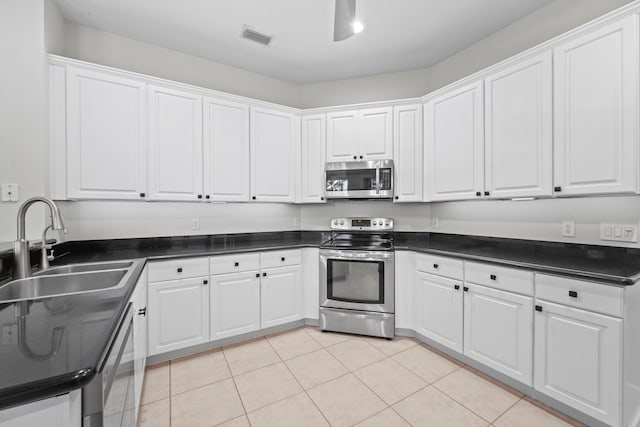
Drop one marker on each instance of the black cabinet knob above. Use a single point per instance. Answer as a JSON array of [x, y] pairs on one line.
[[142, 194], [264, 274], [254, 197], [456, 287], [257, 274], [355, 157], [486, 193], [236, 264], [205, 282], [557, 189], [321, 198], [573, 294], [199, 196], [179, 269], [361, 157], [142, 311], [538, 308], [282, 259], [466, 289], [207, 197], [493, 277], [397, 197], [478, 193], [435, 266]]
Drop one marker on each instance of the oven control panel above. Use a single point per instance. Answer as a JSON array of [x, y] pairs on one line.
[[352, 223]]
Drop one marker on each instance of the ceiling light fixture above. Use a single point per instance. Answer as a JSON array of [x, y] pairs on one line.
[[345, 24]]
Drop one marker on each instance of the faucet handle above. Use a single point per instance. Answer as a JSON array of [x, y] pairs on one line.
[[50, 257]]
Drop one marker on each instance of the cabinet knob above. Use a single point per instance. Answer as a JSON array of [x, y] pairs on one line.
[[573, 294], [199, 196], [361, 157], [264, 274], [207, 197], [486, 193], [179, 269], [557, 189], [456, 287], [397, 197], [355, 157], [205, 282], [236, 264], [253, 198], [257, 274], [142, 311], [282, 259], [466, 289], [478, 193], [321, 198], [493, 277], [435, 266], [142, 194], [538, 308]]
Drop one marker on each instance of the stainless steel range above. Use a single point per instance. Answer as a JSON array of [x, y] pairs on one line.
[[357, 277]]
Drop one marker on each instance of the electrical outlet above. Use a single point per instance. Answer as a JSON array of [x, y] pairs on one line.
[[195, 224], [9, 333], [568, 228], [435, 222], [296, 220], [10, 193], [619, 232]]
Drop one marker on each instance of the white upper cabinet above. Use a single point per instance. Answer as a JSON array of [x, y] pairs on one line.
[[454, 144], [313, 157], [106, 146], [175, 145], [365, 134], [226, 150], [596, 111], [518, 129], [407, 153], [274, 136]]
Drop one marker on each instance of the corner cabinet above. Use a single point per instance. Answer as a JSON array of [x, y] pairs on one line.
[[454, 144], [106, 138], [518, 129], [175, 144], [407, 153], [274, 155], [596, 111], [365, 134], [313, 157]]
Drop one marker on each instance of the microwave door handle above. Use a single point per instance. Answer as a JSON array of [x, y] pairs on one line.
[[377, 181]]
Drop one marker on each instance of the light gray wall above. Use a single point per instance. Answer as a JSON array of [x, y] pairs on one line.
[[544, 24], [91, 45], [23, 120], [54, 29]]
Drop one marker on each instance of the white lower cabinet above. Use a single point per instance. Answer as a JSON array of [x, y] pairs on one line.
[[498, 330], [235, 304], [281, 295], [178, 314], [578, 359], [437, 311]]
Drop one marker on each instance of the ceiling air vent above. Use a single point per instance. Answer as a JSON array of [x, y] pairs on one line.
[[253, 35]]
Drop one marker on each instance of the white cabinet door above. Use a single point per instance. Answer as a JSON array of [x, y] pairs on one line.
[[139, 301], [281, 295], [235, 304], [342, 136], [498, 330], [407, 153], [273, 161], [437, 309], [375, 133], [596, 111], [313, 158], [178, 314], [518, 129], [226, 151], [578, 359], [175, 145], [106, 146], [454, 145]]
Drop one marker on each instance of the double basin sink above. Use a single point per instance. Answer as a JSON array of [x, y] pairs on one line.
[[68, 280]]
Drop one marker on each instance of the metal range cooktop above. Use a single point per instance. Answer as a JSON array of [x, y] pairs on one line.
[[360, 234]]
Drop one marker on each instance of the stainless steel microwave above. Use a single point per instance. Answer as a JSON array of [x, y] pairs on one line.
[[359, 180]]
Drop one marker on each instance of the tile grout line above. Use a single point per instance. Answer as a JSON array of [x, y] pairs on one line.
[[507, 410], [236, 387], [296, 379], [170, 396]]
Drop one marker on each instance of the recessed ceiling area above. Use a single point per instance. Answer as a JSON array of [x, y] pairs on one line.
[[398, 35]]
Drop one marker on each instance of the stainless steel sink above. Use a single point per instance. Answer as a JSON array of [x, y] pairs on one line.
[[61, 284], [81, 268]]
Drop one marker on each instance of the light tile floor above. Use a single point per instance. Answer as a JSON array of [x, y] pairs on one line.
[[305, 377]]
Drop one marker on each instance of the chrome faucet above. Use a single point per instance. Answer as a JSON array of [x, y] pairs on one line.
[[22, 262]]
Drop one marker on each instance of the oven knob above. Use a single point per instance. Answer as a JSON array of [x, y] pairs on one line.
[[386, 223], [335, 222], [375, 223], [341, 222]]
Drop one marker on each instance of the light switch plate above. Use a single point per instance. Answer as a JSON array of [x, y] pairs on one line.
[[619, 232], [10, 192]]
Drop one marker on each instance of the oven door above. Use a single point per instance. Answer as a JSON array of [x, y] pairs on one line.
[[357, 280]]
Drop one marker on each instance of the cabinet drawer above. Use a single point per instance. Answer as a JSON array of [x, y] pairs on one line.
[[507, 279], [441, 266], [182, 268], [280, 258], [590, 296], [234, 263]]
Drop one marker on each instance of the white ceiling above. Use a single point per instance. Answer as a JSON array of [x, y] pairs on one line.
[[398, 34]]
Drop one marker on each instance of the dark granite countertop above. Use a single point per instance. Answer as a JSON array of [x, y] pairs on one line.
[[89, 320], [35, 365]]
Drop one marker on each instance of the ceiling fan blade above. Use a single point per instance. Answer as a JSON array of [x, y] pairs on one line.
[[345, 15]]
